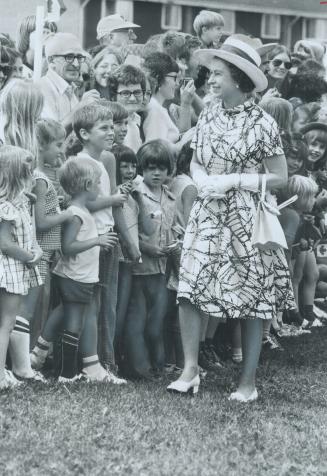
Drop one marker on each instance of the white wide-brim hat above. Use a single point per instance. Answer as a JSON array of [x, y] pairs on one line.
[[241, 55]]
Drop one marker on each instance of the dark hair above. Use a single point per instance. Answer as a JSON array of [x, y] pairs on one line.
[[308, 86], [296, 144], [191, 43], [126, 74], [5, 40], [279, 49], [155, 152], [245, 84], [311, 65], [85, 117], [123, 153], [172, 43], [184, 159], [159, 65]]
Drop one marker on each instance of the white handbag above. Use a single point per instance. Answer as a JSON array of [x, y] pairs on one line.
[[267, 233]]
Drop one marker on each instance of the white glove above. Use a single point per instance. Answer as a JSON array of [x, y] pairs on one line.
[[217, 185], [249, 182]]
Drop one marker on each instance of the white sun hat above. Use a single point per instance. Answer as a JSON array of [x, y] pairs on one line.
[[111, 23], [241, 55]]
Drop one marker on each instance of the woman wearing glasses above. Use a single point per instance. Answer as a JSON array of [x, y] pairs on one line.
[[276, 68], [164, 72]]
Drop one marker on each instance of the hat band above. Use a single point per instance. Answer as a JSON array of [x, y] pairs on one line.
[[238, 52]]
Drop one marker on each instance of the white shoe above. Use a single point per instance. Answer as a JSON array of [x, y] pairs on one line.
[[112, 378], [317, 323], [11, 380], [74, 379], [180, 386], [239, 397], [35, 377]]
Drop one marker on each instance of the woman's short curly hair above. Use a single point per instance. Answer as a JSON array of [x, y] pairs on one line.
[[125, 74], [245, 84], [158, 65]]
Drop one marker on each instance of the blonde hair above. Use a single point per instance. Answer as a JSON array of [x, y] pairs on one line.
[[207, 18], [75, 172], [304, 187], [21, 104], [25, 28], [15, 173]]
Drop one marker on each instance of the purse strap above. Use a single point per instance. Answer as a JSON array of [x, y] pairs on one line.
[[263, 187]]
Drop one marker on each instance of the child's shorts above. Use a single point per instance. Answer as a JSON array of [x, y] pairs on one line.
[[74, 291]]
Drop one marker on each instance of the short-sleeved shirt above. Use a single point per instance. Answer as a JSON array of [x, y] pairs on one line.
[[158, 124], [59, 96], [84, 266], [163, 211], [50, 239]]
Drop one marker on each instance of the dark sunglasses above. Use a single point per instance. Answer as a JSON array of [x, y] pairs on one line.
[[5, 69], [277, 63]]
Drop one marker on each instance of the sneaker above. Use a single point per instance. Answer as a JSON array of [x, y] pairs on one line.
[[112, 378], [76, 378], [270, 342], [36, 377], [11, 380], [315, 323]]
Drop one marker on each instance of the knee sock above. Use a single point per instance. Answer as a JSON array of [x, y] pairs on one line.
[[69, 354], [39, 353], [19, 348], [92, 368]]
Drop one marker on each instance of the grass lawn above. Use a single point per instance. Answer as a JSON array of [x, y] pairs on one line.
[[140, 429]]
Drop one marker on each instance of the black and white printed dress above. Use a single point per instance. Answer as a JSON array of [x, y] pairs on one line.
[[221, 273]]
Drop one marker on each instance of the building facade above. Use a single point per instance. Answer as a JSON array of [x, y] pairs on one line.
[[285, 21]]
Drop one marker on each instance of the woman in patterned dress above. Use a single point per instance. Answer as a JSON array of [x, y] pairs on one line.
[[222, 274]]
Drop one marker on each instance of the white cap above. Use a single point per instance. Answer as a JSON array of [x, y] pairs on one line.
[[111, 23]]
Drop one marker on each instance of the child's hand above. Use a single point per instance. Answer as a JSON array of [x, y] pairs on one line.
[[37, 252], [156, 251], [118, 199], [133, 253], [108, 240], [173, 248], [126, 187]]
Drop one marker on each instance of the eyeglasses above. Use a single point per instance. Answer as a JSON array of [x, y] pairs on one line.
[[277, 63], [5, 69], [148, 94], [173, 76], [70, 58], [138, 93]]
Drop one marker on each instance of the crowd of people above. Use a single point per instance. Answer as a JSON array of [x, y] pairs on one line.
[[130, 177]]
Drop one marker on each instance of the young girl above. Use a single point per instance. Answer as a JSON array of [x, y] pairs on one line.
[[298, 233], [19, 254], [48, 220], [281, 110], [316, 164], [133, 212], [147, 306], [77, 270], [21, 104]]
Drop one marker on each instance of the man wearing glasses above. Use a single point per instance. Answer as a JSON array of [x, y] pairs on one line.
[[65, 57], [114, 30]]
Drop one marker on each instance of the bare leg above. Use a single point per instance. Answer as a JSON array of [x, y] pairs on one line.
[[9, 305], [251, 347], [190, 322]]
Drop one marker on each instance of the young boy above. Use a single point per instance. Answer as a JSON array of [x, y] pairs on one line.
[[208, 26], [77, 270], [129, 84], [148, 303], [93, 125]]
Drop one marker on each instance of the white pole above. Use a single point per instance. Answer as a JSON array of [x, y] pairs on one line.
[[38, 43]]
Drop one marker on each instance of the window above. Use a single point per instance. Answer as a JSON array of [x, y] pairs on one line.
[[314, 28], [171, 17], [229, 17], [270, 26]]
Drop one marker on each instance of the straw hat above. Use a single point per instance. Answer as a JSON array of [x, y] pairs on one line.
[[256, 43], [311, 126], [241, 55]]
